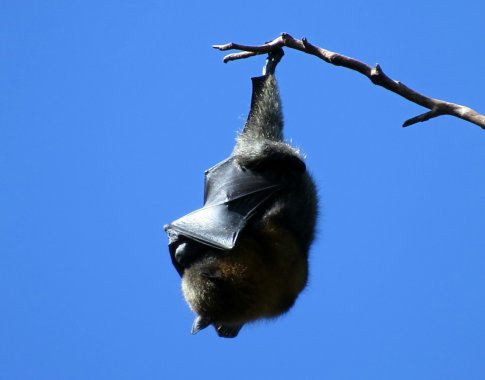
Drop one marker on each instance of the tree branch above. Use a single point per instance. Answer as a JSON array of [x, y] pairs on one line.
[[437, 107]]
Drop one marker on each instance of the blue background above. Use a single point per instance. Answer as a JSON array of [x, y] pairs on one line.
[[110, 111]]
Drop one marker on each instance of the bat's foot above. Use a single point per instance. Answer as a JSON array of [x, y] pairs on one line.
[[274, 57]]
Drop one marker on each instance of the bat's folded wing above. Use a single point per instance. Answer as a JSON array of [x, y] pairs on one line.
[[232, 196]]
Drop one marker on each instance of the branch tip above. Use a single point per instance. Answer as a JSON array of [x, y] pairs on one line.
[[407, 123], [435, 112]]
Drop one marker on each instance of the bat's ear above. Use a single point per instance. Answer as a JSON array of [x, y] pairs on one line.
[[200, 323], [228, 331]]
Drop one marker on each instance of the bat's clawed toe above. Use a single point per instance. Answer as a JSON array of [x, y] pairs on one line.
[[274, 57]]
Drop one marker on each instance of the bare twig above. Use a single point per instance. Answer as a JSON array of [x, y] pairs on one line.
[[437, 107]]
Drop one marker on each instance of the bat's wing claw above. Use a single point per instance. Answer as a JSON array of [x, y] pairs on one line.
[[186, 253]]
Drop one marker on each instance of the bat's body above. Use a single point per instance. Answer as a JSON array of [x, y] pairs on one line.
[[244, 255]]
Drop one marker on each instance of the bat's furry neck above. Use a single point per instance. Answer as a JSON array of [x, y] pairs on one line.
[[265, 120]]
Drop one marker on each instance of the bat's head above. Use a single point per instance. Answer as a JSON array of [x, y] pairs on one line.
[[223, 285], [259, 278]]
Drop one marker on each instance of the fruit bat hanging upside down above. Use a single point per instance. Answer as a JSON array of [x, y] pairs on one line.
[[243, 256]]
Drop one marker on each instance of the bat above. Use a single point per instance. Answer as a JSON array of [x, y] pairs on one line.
[[243, 256]]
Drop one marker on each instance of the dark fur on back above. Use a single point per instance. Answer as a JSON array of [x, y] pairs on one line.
[[261, 144]]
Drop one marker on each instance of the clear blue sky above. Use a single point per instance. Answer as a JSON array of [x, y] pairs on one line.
[[111, 110]]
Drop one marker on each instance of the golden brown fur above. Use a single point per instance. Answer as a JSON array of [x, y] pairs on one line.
[[260, 278]]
